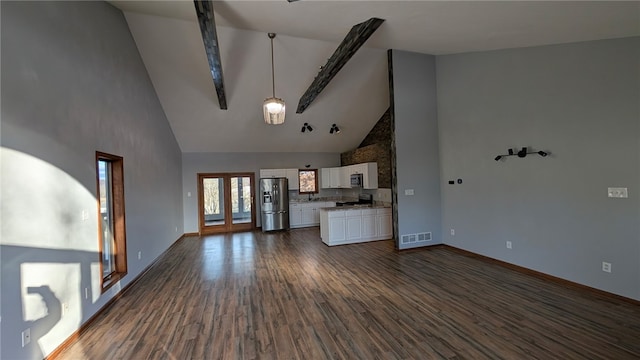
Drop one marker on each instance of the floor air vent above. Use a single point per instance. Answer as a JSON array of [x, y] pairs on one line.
[[412, 238]]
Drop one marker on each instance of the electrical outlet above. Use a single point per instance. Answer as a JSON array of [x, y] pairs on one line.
[[139, 255], [86, 293], [617, 192], [509, 246], [606, 267], [26, 337], [85, 215], [65, 309], [453, 232]]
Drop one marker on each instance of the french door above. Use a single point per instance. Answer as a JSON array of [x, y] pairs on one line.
[[225, 202]]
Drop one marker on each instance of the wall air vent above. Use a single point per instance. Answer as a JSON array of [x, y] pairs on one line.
[[409, 238], [412, 238]]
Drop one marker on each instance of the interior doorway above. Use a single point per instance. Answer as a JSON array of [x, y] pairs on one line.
[[226, 202]]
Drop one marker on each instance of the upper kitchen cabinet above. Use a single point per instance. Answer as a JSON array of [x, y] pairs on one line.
[[292, 177], [340, 177], [369, 173], [290, 174], [333, 178], [272, 173]]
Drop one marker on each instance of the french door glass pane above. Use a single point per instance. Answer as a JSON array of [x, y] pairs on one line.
[[213, 189], [241, 200]]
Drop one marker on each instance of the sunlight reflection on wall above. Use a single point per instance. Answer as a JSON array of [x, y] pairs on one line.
[[42, 206], [52, 219]]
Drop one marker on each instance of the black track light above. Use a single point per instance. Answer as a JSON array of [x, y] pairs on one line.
[[334, 129], [521, 154], [309, 127], [306, 127]]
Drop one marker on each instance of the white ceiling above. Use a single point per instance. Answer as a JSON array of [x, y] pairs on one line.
[[169, 41]]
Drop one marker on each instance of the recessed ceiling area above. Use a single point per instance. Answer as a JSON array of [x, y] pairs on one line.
[[170, 43]]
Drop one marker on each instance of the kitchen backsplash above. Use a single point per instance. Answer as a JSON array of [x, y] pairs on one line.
[[380, 196]]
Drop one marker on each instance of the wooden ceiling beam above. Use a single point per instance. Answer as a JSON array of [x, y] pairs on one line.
[[204, 10], [356, 37]]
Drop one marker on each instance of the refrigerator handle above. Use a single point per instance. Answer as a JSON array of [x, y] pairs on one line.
[[276, 192]]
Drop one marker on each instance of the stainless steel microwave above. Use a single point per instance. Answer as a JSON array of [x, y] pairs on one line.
[[356, 180]]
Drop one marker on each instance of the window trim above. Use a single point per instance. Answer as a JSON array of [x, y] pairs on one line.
[[315, 180], [118, 212]]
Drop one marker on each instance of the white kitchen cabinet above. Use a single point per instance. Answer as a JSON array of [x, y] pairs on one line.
[[332, 227], [384, 223], [369, 173], [292, 177], [332, 178], [290, 174], [295, 215], [344, 175], [272, 173], [353, 225], [353, 221], [306, 214], [369, 226], [340, 177], [325, 178]]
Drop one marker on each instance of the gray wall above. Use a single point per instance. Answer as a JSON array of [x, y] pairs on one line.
[[581, 103], [416, 146], [194, 163], [73, 83]]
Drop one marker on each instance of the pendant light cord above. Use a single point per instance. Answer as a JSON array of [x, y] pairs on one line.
[[273, 76]]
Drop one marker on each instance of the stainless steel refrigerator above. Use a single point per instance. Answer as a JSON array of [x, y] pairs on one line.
[[274, 202]]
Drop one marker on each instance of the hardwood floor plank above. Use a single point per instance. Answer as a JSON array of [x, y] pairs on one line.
[[288, 296]]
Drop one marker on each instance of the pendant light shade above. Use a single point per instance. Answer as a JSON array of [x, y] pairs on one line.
[[274, 110], [273, 107]]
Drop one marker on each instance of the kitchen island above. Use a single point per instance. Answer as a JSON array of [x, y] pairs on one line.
[[355, 224]]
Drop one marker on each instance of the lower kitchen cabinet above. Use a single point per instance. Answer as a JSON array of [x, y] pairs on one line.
[[338, 227], [306, 214], [384, 224], [369, 222], [295, 215], [353, 221]]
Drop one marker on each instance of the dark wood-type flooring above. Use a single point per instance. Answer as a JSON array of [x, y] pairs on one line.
[[288, 296]]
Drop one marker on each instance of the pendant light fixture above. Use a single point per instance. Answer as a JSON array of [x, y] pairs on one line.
[[273, 107]]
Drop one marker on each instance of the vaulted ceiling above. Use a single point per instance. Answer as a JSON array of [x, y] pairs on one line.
[[308, 32]]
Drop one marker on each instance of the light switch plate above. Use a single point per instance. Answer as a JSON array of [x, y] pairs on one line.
[[617, 192], [408, 192]]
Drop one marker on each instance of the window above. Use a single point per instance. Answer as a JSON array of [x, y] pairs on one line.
[[308, 180], [111, 222]]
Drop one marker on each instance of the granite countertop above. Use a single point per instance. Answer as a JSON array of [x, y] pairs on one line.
[[315, 200], [355, 207]]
